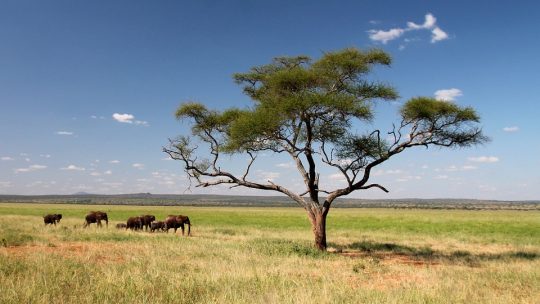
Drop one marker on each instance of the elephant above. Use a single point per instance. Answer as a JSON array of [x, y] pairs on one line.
[[96, 217], [158, 225], [147, 219], [121, 226], [177, 221], [52, 219], [134, 223]]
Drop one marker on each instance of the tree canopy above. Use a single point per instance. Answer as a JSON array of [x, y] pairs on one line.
[[306, 109]]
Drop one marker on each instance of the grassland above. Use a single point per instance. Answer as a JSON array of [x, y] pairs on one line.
[[254, 255]]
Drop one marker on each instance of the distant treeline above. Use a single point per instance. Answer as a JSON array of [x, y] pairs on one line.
[[147, 199]]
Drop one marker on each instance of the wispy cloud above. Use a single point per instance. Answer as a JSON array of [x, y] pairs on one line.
[[73, 168], [448, 94], [142, 123], [408, 178], [64, 133], [267, 176], [381, 172], [437, 34], [124, 118], [138, 166], [285, 165], [129, 119], [30, 168], [6, 158], [484, 159], [511, 129], [385, 36], [454, 168], [114, 161], [5, 184]]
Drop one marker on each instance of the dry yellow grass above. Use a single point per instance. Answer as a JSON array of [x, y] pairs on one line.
[[246, 264]]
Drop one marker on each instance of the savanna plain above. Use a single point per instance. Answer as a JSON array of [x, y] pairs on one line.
[[265, 255]]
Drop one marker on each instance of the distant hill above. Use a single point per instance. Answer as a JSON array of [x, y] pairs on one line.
[[263, 201]]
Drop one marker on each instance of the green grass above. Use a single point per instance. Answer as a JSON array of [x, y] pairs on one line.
[[265, 255]]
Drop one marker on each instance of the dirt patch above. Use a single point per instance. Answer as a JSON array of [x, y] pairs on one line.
[[98, 254], [385, 281], [390, 258]]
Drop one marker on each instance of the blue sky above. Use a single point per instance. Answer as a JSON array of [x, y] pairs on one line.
[[66, 67]]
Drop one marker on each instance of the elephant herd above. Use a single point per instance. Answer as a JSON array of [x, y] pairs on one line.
[[148, 222], [145, 222]]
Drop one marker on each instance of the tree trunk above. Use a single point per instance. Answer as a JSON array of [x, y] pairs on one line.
[[318, 223]]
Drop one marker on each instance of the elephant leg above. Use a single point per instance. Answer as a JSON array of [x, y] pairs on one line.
[[182, 226]]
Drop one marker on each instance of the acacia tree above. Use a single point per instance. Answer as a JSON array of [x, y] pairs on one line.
[[306, 109]]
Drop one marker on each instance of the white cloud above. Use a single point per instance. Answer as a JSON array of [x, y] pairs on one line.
[[95, 173], [108, 172], [267, 176], [6, 158], [30, 168], [385, 172], [129, 118], [271, 176], [438, 35], [45, 155], [441, 177], [5, 184], [385, 36], [73, 168], [408, 178], [452, 168], [448, 94], [114, 161], [285, 165], [511, 129], [64, 133], [484, 159], [138, 166], [487, 188], [429, 24], [125, 118], [142, 123], [337, 177]]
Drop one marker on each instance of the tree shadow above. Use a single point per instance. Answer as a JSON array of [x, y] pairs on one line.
[[426, 255]]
